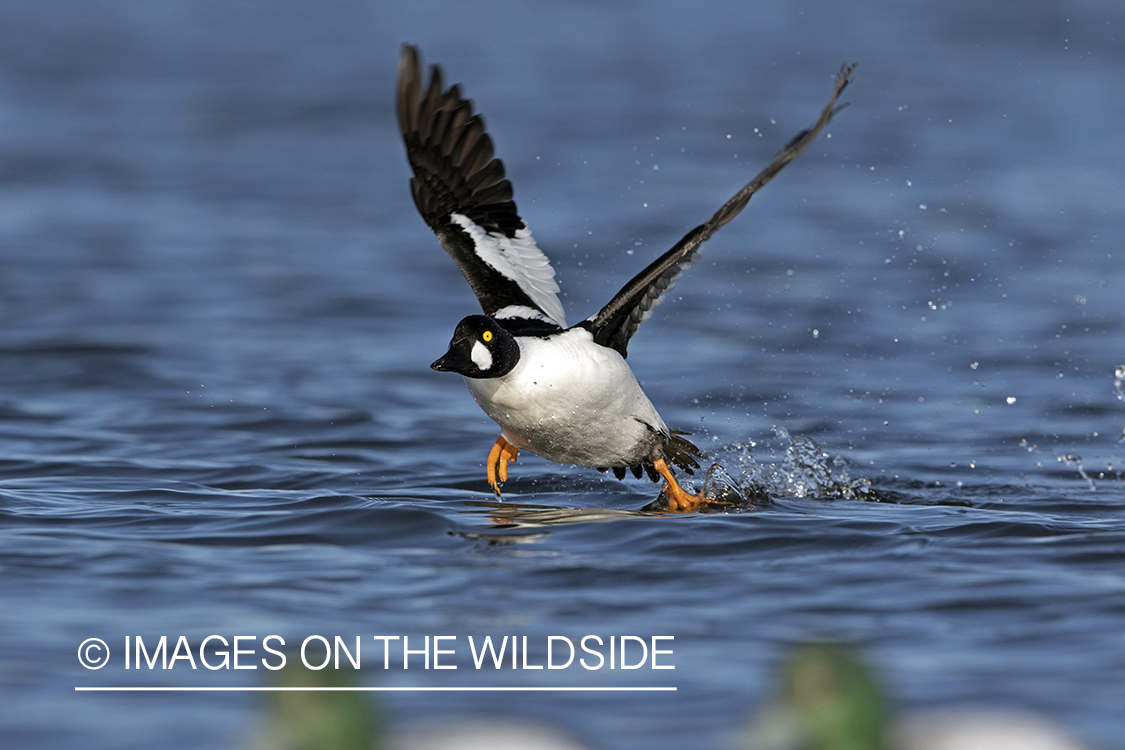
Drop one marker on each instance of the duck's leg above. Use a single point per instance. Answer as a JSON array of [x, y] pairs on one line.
[[502, 452], [679, 499]]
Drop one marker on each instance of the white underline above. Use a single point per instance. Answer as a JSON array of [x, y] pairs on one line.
[[504, 689]]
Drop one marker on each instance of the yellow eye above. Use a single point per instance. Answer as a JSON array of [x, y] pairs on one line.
[[487, 336]]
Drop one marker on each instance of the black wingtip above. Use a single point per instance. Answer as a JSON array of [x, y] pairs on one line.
[[843, 80], [408, 86], [408, 57]]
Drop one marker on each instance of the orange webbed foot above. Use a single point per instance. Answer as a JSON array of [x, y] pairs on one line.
[[499, 457], [679, 499]]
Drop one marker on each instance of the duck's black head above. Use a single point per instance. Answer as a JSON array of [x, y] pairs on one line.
[[480, 349]]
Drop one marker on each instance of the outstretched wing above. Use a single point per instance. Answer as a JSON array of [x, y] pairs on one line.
[[620, 319], [460, 190]]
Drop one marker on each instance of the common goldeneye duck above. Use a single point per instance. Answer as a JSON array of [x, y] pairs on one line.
[[562, 392]]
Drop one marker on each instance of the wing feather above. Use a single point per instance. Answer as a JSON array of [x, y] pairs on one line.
[[460, 189]]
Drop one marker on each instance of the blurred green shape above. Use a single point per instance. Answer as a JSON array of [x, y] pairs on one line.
[[826, 699], [317, 719]]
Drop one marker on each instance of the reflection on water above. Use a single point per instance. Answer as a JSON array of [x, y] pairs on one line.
[[503, 515]]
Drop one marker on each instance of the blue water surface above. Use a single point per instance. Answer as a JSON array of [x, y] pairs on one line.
[[218, 308]]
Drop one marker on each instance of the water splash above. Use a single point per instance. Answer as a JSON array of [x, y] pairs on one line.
[[1076, 463], [802, 469], [721, 487], [1119, 391]]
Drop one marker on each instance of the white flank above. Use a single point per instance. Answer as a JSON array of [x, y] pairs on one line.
[[481, 357], [521, 261]]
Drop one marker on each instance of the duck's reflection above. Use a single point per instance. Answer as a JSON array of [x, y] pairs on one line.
[[724, 496], [505, 515]]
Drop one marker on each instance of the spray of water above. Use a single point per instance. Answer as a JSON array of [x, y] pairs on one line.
[[800, 468], [1119, 391], [1075, 462]]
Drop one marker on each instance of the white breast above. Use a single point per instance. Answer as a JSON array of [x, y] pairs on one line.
[[571, 401]]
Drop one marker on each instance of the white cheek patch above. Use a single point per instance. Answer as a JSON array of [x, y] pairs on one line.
[[481, 357]]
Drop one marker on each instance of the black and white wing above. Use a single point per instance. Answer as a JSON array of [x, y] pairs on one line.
[[616, 323], [460, 190]]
